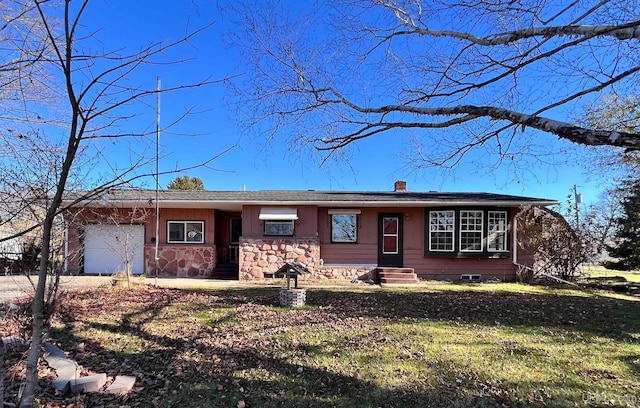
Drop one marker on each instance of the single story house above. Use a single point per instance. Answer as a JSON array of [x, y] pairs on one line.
[[389, 236]]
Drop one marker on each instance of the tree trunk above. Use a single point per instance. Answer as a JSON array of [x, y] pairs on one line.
[[1, 373], [37, 310]]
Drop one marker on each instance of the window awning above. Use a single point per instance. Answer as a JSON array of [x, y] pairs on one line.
[[278, 214]]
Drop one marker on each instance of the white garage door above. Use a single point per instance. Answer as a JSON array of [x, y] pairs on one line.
[[106, 247]]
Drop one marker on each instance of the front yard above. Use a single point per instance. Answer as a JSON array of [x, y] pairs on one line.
[[503, 345]]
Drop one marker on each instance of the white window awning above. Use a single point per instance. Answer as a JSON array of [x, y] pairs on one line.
[[278, 214]]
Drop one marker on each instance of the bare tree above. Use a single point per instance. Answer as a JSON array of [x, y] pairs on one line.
[[469, 75], [560, 244], [551, 245], [619, 113], [93, 98], [599, 222]]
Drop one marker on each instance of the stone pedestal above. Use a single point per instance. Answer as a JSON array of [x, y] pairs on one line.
[[294, 297]]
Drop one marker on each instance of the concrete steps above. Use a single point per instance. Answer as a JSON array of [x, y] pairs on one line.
[[396, 276], [225, 272]]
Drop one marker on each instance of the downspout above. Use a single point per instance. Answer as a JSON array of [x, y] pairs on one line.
[[66, 248], [515, 241]]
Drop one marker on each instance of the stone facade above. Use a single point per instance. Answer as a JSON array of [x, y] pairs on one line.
[[347, 272], [181, 261], [260, 257]]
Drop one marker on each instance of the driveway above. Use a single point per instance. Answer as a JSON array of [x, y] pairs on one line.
[[14, 286]]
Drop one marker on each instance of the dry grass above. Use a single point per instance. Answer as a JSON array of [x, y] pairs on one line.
[[504, 345]]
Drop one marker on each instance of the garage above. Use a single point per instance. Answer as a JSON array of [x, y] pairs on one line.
[[106, 247]]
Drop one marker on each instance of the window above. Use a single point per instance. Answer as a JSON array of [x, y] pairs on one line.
[[497, 225], [191, 232], [344, 227], [476, 232], [284, 228], [390, 235], [278, 220], [441, 230], [471, 231]]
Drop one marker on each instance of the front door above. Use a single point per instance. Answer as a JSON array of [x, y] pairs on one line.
[[235, 231], [390, 239]]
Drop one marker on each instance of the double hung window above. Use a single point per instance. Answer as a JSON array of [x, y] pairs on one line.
[[471, 231], [497, 234], [441, 230]]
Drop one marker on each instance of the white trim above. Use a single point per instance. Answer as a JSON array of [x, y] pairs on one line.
[[514, 248], [278, 214], [344, 211]]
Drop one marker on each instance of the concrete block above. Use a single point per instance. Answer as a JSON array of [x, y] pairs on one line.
[[91, 383], [65, 369], [58, 363], [13, 341], [61, 385], [54, 351], [121, 384]]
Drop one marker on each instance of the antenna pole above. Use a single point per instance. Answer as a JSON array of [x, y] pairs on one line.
[[157, 179], [577, 200]]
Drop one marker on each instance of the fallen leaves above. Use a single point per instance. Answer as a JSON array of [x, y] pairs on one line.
[[238, 348]]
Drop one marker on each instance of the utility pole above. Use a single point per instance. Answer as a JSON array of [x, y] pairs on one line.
[[577, 200]]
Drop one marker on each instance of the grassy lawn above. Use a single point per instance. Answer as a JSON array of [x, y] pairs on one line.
[[439, 345], [604, 274]]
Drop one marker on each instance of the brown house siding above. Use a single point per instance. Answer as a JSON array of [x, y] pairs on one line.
[[260, 255], [452, 268]]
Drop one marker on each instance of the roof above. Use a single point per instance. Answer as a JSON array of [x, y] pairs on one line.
[[234, 200]]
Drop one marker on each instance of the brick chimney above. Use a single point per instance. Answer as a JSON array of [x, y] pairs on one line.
[[400, 186]]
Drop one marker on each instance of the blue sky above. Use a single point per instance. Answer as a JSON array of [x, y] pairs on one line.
[[372, 164]]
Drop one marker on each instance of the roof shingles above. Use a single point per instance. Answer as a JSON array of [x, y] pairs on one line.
[[313, 197]]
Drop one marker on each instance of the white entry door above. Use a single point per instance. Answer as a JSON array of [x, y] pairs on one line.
[[107, 247]]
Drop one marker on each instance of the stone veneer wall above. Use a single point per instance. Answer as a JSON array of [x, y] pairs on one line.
[[181, 261], [260, 256], [347, 272]]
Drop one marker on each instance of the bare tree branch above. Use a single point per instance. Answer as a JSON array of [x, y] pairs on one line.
[[385, 66]]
